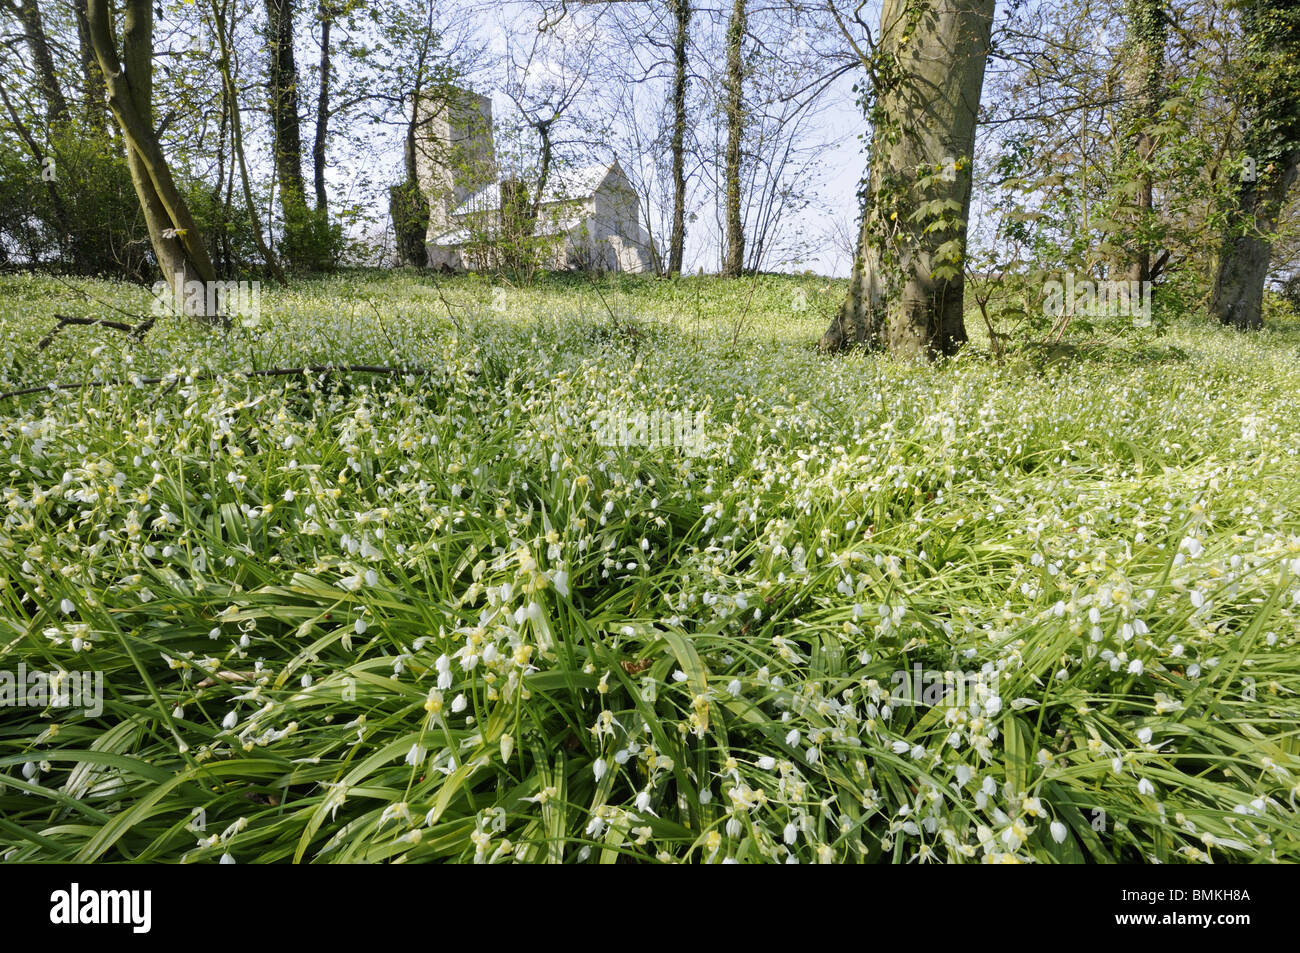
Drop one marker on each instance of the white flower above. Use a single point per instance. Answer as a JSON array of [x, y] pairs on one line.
[[901, 747], [792, 738], [599, 769], [766, 763], [226, 859], [733, 688], [1058, 832], [416, 755], [67, 606], [1144, 735], [230, 720], [1146, 787], [458, 704], [1135, 667]]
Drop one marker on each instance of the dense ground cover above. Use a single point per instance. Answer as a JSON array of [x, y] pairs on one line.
[[434, 615]]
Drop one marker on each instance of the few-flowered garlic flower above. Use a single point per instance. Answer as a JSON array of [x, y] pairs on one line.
[[712, 843], [1015, 835], [1058, 832], [1146, 787], [400, 811]]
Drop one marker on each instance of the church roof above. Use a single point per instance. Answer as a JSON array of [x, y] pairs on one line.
[[562, 185]]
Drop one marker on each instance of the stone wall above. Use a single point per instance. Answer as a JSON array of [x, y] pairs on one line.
[[454, 153]]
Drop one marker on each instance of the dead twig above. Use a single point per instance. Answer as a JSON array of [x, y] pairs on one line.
[[322, 369], [136, 331]]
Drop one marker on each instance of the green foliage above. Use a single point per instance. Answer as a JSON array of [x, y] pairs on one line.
[[105, 231], [310, 242]]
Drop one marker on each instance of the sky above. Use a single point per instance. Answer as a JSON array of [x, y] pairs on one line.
[[839, 167]]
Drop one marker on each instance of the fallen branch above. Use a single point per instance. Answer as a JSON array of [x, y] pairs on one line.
[[323, 369], [136, 331]]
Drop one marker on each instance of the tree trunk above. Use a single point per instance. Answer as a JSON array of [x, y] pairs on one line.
[[407, 205], [47, 80], [734, 261], [128, 78], [224, 42], [283, 101], [322, 110], [1143, 66], [681, 10], [907, 287], [1272, 94], [1238, 296], [860, 318], [92, 80], [543, 128]]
